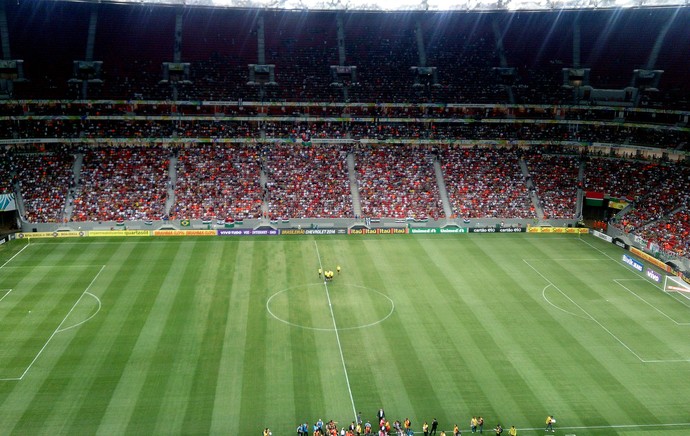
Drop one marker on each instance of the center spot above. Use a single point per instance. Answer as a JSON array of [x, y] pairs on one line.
[[307, 306]]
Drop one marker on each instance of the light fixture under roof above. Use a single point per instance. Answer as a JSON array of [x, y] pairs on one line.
[[412, 5]]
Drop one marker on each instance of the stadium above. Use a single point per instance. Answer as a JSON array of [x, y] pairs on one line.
[[251, 217]]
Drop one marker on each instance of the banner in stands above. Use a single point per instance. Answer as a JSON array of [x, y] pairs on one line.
[[118, 233], [603, 236], [387, 231], [424, 230], [247, 232], [632, 263], [438, 230], [580, 230], [496, 230], [51, 235], [313, 231], [651, 259], [7, 203], [184, 233]]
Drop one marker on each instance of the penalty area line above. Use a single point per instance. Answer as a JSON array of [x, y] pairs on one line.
[[59, 327], [15, 255], [597, 322]]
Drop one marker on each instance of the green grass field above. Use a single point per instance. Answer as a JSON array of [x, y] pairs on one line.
[[226, 336]]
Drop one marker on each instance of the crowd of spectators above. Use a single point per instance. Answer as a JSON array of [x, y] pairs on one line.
[[670, 191], [397, 182], [122, 183], [7, 171], [305, 181], [485, 182], [622, 178], [670, 234], [464, 48], [216, 181], [45, 180], [660, 214], [368, 128], [555, 178]]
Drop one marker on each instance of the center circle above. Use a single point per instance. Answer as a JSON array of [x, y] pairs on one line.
[[313, 306]]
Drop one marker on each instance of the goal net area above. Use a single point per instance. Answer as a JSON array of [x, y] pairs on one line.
[[676, 284]]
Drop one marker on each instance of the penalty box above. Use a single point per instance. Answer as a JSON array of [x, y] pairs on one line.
[[630, 309], [37, 303]]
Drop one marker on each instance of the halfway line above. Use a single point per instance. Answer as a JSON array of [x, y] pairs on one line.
[[337, 336]]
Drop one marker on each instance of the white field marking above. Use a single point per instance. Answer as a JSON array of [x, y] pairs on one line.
[[7, 292], [618, 281], [568, 259], [59, 326], [639, 274], [330, 329], [15, 255], [337, 336], [543, 294], [53, 266], [613, 426], [586, 313], [98, 309]]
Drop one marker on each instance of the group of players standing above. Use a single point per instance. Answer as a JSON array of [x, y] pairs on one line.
[[328, 274], [403, 428]]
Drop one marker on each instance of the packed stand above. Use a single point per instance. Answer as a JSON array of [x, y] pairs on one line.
[[670, 235], [7, 171], [305, 181], [622, 178], [218, 181], [45, 180], [485, 183], [555, 178], [397, 182], [669, 191], [121, 184]]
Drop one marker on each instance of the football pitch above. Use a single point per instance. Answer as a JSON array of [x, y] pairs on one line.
[[227, 336]]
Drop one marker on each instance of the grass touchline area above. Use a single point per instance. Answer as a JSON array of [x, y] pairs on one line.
[[233, 335]]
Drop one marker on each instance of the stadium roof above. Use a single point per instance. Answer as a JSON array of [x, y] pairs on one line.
[[415, 5]]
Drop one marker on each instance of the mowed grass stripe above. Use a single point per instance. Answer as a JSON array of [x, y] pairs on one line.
[[612, 308], [34, 310], [70, 353], [35, 395], [369, 355], [579, 349], [127, 296], [481, 323], [169, 376], [214, 301], [307, 391], [227, 402], [471, 334], [165, 270], [52, 372], [320, 373]]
